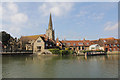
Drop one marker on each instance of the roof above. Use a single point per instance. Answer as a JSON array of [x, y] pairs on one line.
[[94, 45], [76, 42], [33, 37], [110, 38], [103, 41]]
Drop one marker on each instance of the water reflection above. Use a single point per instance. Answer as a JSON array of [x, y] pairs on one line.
[[30, 66]]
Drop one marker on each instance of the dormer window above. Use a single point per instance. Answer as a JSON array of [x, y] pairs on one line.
[[74, 44], [80, 43], [68, 43], [57, 43], [38, 40]]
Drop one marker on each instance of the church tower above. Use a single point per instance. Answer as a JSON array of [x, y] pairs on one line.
[[50, 31]]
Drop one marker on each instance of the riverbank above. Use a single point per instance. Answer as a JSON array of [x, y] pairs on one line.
[[74, 54], [15, 53]]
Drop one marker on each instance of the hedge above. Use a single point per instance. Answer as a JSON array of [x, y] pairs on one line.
[[61, 52]]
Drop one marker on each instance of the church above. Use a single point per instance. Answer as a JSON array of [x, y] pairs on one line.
[[37, 43]]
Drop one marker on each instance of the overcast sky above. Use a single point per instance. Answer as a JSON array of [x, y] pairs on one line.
[[78, 20]]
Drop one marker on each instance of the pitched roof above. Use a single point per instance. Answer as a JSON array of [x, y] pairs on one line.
[[76, 42], [107, 38], [33, 37]]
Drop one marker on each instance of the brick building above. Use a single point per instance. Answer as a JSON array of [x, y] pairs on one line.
[[109, 44], [106, 44]]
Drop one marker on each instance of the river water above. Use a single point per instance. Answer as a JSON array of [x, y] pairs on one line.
[[30, 66]]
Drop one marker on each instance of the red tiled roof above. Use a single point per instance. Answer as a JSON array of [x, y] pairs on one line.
[[76, 42]]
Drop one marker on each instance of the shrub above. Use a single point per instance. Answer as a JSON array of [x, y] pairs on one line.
[[61, 52], [67, 48], [54, 51]]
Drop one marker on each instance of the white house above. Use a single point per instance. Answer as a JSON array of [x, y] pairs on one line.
[[95, 47]]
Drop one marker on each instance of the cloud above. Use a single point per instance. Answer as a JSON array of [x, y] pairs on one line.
[[12, 19], [82, 13], [98, 16], [11, 14], [12, 7], [19, 18], [109, 26], [58, 9]]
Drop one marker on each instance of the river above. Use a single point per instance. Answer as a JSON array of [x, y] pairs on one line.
[[30, 66]]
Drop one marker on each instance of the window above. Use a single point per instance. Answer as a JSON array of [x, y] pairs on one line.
[[46, 44], [68, 43], [50, 45], [110, 49], [114, 45], [118, 45], [114, 49], [39, 48], [80, 43], [110, 45], [74, 44], [87, 43], [82, 47], [63, 43], [106, 45], [104, 40], [79, 47], [57, 43], [38, 40]]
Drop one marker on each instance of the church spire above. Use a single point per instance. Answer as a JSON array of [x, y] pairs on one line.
[[50, 23]]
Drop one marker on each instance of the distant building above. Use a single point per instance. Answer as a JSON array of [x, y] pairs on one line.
[[50, 31], [74, 44], [108, 44], [37, 43], [95, 47]]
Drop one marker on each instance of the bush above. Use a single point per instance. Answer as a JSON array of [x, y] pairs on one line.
[[54, 51], [84, 51], [67, 48], [61, 52]]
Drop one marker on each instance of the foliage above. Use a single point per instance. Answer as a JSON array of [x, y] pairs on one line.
[[54, 51], [86, 51], [61, 52], [67, 48]]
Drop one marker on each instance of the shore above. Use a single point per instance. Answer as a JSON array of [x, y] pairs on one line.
[[81, 54]]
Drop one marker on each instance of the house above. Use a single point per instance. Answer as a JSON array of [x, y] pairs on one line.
[[75, 45], [108, 44], [95, 47]]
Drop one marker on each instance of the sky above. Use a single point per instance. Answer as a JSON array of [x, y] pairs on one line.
[[71, 20]]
